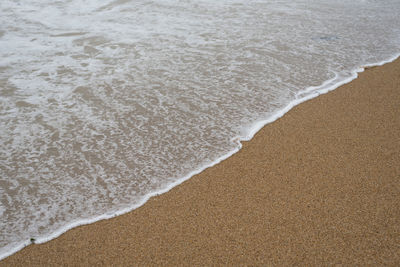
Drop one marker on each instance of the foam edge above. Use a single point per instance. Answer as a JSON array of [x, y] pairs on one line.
[[311, 92]]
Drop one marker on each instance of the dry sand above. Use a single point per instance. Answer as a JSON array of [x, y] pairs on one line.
[[320, 186]]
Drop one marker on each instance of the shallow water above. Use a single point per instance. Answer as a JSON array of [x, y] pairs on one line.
[[102, 104]]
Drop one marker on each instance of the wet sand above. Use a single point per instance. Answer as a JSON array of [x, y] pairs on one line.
[[320, 186]]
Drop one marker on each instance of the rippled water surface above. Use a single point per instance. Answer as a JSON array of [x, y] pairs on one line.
[[105, 102]]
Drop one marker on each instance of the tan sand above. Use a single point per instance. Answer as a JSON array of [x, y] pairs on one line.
[[320, 186]]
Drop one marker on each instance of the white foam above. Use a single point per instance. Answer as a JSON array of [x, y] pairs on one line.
[[323, 89]]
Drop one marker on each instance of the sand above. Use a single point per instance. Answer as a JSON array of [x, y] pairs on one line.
[[320, 186]]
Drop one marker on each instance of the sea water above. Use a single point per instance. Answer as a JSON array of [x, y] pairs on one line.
[[106, 103]]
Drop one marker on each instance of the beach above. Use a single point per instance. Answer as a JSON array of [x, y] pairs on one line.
[[319, 186]]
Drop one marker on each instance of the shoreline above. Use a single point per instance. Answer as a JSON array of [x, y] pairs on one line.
[[208, 170], [308, 94]]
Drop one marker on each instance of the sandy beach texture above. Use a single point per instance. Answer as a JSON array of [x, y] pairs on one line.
[[320, 186]]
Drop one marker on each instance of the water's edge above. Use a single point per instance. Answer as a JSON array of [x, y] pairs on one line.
[[307, 94]]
